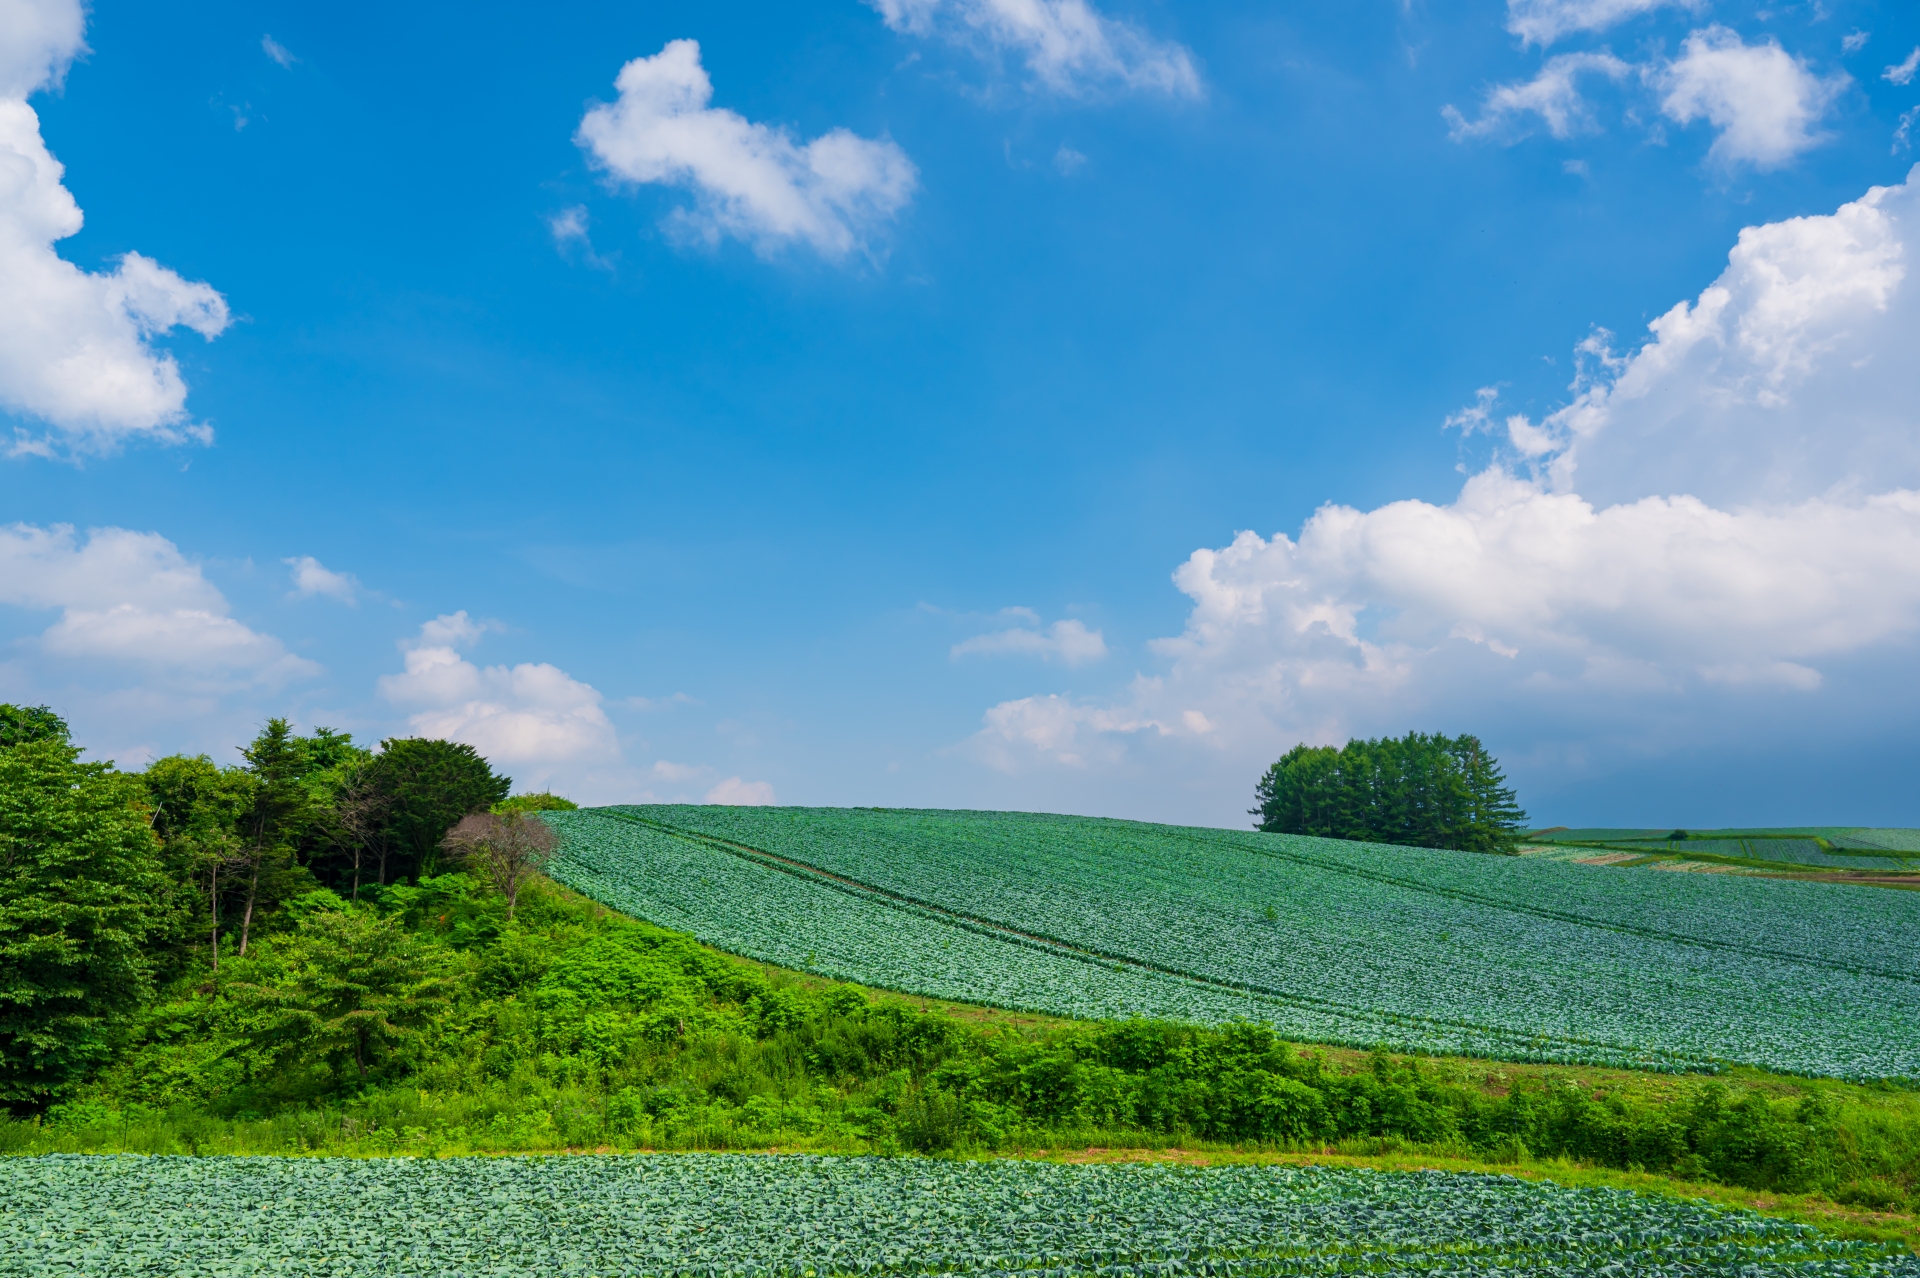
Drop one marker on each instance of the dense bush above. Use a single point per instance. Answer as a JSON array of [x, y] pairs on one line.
[[571, 1026]]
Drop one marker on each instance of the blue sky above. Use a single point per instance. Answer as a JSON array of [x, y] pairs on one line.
[[837, 438]]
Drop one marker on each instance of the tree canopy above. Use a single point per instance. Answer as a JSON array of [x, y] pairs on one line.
[[427, 786], [112, 884], [21, 724], [81, 890], [1422, 790]]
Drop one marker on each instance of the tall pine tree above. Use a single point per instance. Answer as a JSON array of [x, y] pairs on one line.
[[1421, 790]]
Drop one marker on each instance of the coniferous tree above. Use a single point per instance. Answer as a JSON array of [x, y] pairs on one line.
[[428, 785], [271, 826], [1425, 790]]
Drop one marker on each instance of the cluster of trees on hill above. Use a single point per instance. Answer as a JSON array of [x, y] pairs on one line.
[[114, 885], [1422, 790]]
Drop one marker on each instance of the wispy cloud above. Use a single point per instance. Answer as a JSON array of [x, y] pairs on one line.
[[1764, 104], [1553, 95], [1068, 46], [1545, 21], [1068, 642], [277, 51]]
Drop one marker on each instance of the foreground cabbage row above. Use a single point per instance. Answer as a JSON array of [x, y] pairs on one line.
[[1327, 941], [742, 1215]]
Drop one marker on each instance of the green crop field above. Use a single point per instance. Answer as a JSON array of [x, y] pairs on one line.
[[1849, 848], [776, 1216], [1329, 941]]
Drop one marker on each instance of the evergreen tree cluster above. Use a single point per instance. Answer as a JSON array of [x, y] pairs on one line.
[[114, 884], [1421, 790]]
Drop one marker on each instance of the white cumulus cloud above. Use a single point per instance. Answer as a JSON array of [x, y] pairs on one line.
[[1544, 21], [741, 794], [1067, 45], [311, 577], [1790, 376], [1765, 102], [1068, 642], [1902, 72], [1707, 547], [1056, 727], [132, 600], [834, 194], [76, 347], [532, 718]]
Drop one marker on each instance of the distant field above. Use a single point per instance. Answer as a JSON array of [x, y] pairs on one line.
[[1329, 941], [1851, 848], [703, 1215]]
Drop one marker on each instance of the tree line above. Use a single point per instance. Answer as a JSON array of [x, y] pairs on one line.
[[115, 884], [1420, 790]]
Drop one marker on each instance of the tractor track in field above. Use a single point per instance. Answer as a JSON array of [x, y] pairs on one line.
[[808, 872], [1565, 916]]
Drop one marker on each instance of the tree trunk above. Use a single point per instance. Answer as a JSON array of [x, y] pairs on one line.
[[246, 921], [213, 907], [358, 852]]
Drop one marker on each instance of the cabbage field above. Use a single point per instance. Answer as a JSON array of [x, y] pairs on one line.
[[1327, 941], [809, 1217]]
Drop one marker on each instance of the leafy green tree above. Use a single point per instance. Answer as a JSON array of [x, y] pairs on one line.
[[544, 801], [198, 809], [328, 751], [1424, 790], [334, 840], [354, 987], [21, 724], [427, 786], [79, 875]]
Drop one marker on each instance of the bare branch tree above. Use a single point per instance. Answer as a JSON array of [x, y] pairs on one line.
[[217, 851], [507, 849], [362, 816]]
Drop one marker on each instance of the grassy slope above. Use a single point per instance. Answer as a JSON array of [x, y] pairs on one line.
[[449, 1100]]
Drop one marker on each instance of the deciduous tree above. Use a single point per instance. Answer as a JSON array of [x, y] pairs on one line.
[[79, 877], [508, 849]]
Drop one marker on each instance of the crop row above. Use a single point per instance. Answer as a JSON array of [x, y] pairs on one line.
[[777, 1216], [801, 921], [1567, 961]]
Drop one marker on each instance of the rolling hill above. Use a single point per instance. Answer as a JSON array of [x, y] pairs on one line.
[[1329, 941]]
